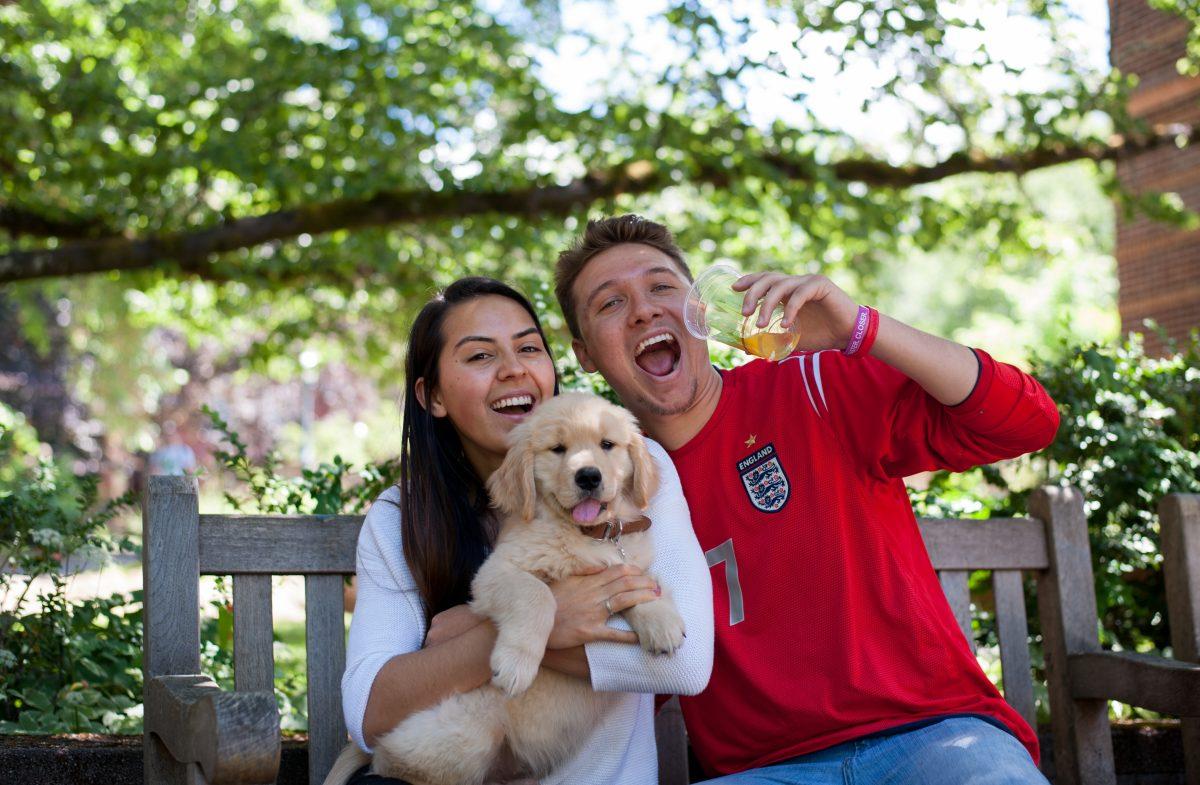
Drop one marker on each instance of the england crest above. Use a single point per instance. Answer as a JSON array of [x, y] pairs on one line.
[[764, 479]]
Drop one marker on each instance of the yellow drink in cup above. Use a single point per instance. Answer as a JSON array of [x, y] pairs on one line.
[[770, 346], [713, 310]]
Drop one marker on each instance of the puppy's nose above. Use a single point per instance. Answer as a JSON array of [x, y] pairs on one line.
[[588, 478]]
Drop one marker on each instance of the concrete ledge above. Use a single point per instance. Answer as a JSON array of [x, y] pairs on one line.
[[90, 759], [84, 759], [1146, 753]]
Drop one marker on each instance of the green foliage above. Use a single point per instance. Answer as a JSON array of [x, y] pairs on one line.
[[19, 446], [290, 677], [1188, 65], [331, 488], [64, 665], [319, 491], [147, 117], [1062, 289], [1129, 435], [73, 665]]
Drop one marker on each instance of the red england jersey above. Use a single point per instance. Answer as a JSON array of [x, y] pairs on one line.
[[830, 620]]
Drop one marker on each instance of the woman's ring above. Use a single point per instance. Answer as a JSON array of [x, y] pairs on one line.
[[608, 606]]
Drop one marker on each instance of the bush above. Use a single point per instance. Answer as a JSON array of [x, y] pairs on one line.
[[331, 488], [319, 491], [1128, 437], [1130, 434], [75, 665], [64, 666]]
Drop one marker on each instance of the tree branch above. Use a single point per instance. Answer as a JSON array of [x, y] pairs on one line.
[[192, 250], [877, 173], [19, 221]]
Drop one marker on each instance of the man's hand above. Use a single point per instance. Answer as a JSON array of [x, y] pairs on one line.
[[582, 614], [822, 313], [451, 623], [824, 317]]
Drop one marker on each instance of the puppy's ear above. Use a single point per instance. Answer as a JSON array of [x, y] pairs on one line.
[[644, 481], [512, 487]]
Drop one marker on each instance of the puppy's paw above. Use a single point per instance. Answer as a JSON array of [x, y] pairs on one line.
[[514, 669], [658, 625]]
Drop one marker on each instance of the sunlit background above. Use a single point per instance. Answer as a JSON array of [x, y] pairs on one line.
[[217, 220]]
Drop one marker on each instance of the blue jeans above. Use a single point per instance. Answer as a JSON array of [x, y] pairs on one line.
[[953, 751]]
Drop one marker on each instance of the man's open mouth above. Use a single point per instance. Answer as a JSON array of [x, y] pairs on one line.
[[658, 355], [514, 405]]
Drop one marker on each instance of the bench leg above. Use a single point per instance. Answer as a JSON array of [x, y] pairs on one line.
[[1067, 607], [158, 767]]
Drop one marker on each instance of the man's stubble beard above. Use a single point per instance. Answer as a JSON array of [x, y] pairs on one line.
[[655, 410]]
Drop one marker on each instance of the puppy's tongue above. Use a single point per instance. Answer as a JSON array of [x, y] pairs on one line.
[[586, 511]]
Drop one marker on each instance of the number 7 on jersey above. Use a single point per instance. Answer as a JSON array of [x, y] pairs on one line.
[[724, 553]]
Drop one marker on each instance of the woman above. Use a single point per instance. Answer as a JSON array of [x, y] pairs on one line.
[[477, 364]]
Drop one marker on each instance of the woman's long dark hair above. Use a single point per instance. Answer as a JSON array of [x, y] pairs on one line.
[[443, 504]]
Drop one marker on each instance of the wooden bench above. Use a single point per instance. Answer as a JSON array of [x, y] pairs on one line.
[[1179, 521], [196, 733]]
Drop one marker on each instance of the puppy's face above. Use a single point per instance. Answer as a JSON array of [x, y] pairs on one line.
[[581, 460], [574, 456]]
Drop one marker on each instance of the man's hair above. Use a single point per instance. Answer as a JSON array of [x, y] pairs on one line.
[[600, 236]]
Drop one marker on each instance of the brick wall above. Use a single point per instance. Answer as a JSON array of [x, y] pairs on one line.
[[1158, 268]]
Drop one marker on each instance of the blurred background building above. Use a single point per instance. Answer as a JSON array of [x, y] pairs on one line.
[[1158, 266]]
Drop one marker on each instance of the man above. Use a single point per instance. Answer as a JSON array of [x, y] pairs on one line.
[[837, 655]]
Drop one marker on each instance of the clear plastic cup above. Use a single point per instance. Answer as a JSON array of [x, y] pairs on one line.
[[713, 310]]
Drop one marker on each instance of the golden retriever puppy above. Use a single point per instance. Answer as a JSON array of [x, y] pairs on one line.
[[577, 469]]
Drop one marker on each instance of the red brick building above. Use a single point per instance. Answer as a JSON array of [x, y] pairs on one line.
[[1158, 267]]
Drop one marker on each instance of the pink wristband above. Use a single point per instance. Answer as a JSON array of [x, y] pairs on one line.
[[859, 332], [862, 338]]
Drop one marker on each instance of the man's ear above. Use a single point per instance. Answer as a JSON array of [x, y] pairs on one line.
[[431, 404], [581, 354]]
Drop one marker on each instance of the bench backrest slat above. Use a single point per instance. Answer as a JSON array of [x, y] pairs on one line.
[[954, 584], [172, 613], [992, 544], [325, 635], [1013, 631], [253, 655], [279, 544], [305, 544]]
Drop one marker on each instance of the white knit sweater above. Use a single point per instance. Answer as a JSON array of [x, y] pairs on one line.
[[389, 620]]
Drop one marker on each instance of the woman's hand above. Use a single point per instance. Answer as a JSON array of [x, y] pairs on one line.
[[586, 601], [822, 314], [451, 623]]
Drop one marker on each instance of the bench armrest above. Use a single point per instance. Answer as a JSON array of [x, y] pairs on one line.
[[1143, 680], [232, 736]]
